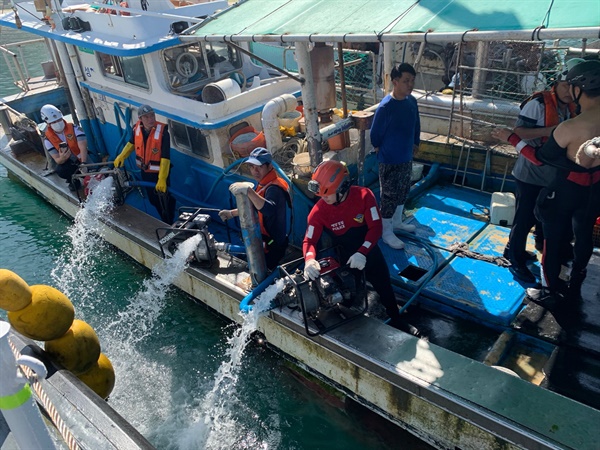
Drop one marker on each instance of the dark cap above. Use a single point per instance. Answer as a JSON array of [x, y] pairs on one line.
[[145, 109], [260, 156]]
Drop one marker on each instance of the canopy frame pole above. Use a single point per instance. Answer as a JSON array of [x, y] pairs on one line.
[[309, 102]]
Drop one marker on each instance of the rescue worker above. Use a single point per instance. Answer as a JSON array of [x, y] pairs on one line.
[[152, 145], [539, 115], [571, 201], [351, 216], [66, 143], [269, 198]]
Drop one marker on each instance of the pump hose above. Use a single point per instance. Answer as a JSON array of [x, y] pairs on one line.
[[126, 131], [245, 306]]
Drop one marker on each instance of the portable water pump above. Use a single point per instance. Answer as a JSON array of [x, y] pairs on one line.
[[337, 296], [191, 222]]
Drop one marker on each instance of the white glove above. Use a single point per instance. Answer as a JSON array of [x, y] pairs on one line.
[[312, 269], [225, 215], [240, 188], [357, 261]]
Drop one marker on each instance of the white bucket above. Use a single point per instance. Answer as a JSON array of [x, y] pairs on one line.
[[220, 91], [301, 164], [290, 119]]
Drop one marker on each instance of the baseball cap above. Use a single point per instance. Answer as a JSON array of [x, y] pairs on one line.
[[145, 109], [260, 156]]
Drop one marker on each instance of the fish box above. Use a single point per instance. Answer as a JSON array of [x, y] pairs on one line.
[[503, 208]]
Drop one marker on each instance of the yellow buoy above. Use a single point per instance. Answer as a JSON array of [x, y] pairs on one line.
[[101, 377], [77, 350], [48, 316], [15, 293]]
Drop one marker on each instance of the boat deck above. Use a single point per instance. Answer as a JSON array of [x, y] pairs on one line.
[[475, 290]]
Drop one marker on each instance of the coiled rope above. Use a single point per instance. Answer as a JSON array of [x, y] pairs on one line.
[[47, 404]]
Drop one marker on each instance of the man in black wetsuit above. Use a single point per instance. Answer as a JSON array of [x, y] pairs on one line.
[[571, 202], [573, 198]]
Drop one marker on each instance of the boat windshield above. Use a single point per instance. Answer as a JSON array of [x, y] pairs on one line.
[[189, 67]]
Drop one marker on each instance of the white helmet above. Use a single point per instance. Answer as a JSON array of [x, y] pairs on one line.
[[50, 113]]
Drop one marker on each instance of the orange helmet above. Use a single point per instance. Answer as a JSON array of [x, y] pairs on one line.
[[330, 177]]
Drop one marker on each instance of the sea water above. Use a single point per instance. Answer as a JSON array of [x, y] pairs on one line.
[[175, 362]]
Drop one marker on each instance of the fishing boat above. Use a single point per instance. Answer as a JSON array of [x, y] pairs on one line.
[[495, 371]]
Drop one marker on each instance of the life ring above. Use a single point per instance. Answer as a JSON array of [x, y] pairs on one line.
[[186, 65]]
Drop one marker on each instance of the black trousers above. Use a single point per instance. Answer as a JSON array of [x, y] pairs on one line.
[[526, 196], [377, 273], [66, 169], [570, 208], [163, 202], [525, 218]]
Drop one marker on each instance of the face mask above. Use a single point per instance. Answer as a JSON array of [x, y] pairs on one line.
[[58, 126]]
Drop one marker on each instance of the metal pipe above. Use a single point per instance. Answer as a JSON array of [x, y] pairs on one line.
[[388, 64], [342, 80], [251, 235], [479, 76], [270, 122], [80, 111], [539, 34], [309, 101]]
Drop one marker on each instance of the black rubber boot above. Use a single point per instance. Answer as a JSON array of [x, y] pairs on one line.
[[575, 283]]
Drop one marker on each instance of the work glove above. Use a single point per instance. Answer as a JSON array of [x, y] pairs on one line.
[[240, 188], [357, 261], [120, 160], [312, 269], [163, 173], [225, 215]]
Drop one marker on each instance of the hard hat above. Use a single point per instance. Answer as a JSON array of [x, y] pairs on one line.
[[260, 156], [50, 113], [586, 75], [330, 177]]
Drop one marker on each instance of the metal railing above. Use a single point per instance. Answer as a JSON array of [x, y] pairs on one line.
[[15, 61]]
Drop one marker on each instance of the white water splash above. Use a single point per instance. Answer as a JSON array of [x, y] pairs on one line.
[[74, 271], [215, 425], [138, 319]]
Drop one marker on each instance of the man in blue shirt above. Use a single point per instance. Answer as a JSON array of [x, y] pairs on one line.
[[395, 134]]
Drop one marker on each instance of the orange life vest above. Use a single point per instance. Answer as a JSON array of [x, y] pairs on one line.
[[147, 157], [70, 137], [550, 100], [270, 179]]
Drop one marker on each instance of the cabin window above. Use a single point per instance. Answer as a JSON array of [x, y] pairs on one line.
[[129, 69], [189, 67], [189, 139]]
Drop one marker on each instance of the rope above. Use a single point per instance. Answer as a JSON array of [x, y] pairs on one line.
[[461, 249], [285, 156], [47, 404]]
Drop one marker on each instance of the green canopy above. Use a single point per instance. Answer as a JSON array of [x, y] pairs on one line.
[[371, 20]]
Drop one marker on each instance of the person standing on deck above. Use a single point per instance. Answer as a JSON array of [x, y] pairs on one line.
[[66, 143], [395, 134], [152, 144], [269, 198], [571, 201], [539, 115], [351, 216]]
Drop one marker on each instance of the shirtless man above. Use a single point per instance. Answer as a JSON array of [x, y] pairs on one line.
[[572, 199]]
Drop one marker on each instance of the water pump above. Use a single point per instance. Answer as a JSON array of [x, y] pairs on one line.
[[192, 221], [337, 296]]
